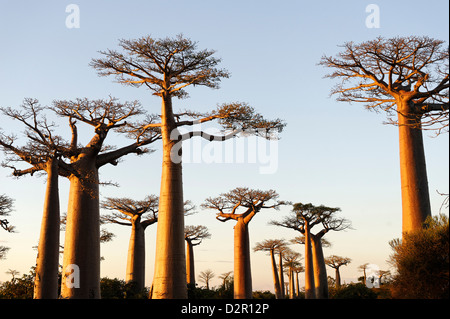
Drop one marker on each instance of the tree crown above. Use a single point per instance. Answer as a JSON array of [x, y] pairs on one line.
[[382, 72]]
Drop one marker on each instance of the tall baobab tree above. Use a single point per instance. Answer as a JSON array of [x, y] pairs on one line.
[[303, 218], [43, 152], [281, 250], [167, 67], [407, 77], [291, 261], [194, 236], [251, 202], [82, 237], [139, 214], [298, 269], [271, 245], [337, 262]]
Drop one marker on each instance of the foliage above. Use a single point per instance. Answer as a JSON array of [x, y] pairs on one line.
[[352, 291], [422, 261], [263, 295], [18, 288], [119, 289]]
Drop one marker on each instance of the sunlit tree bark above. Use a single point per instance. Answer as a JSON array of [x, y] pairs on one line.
[[272, 246], [408, 77], [139, 215], [337, 262], [227, 205], [193, 235], [291, 261], [167, 67], [42, 153], [304, 217], [82, 237]]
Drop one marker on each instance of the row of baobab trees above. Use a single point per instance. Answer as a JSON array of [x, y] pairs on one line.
[[404, 76], [241, 205]]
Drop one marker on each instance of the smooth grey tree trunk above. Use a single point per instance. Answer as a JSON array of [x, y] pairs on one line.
[[169, 281], [82, 238], [46, 281], [136, 254]]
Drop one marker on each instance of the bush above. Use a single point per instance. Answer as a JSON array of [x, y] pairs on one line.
[[352, 291], [422, 262]]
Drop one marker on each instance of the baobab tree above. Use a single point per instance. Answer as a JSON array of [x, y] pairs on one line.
[[291, 261], [139, 214], [167, 67], [337, 262], [281, 250], [297, 269], [43, 152], [408, 77], [271, 245], [251, 202], [303, 218], [82, 238], [363, 268], [194, 236], [206, 276]]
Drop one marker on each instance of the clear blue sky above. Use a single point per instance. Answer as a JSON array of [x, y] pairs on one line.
[[331, 153]]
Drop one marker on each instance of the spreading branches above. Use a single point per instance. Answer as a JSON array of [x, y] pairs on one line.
[[165, 66], [234, 118], [308, 215], [382, 72], [249, 201], [42, 143], [6, 207], [195, 234], [270, 245], [125, 210]]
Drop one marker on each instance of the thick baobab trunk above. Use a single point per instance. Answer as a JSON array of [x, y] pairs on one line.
[[281, 272], [81, 266], [170, 262], [309, 270], [46, 281], [136, 254], [320, 271], [242, 267], [190, 266], [338, 278], [291, 284], [414, 182], [276, 280]]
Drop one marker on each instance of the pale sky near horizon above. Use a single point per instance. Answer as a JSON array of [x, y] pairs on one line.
[[330, 153]]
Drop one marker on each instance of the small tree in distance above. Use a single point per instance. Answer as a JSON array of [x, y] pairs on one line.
[[139, 215], [194, 236], [271, 245], [337, 262], [251, 202]]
